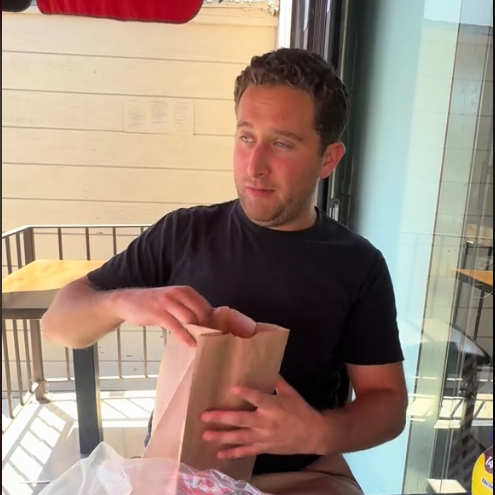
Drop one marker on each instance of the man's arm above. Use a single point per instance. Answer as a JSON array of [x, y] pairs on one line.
[[80, 315], [376, 416], [372, 350], [84, 311]]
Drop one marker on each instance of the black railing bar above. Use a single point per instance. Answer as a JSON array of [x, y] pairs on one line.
[[67, 364], [119, 352], [20, 385], [19, 230], [8, 255], [88, 243], [8, 378], [75, 226], [145, 351], [28, 354], [146, 225], [104, 378], [60, 244], [20, 263], [114, 240]]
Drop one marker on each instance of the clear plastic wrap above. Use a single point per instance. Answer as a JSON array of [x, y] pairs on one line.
[[106, 473]]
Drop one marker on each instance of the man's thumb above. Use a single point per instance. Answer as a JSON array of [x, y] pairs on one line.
[[283, 388]]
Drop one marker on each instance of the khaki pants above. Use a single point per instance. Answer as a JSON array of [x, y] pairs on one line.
[[327, 476]]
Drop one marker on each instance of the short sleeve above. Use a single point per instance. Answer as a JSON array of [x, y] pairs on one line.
[[371, 336], [145, 263]]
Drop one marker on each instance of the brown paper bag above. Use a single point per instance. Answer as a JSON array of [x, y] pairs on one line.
[[329, 475], [192, 381]]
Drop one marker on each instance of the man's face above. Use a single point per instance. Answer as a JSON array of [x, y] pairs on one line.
[[277, 155]]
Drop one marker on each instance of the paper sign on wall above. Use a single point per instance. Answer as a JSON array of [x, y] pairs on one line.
[[159, 116]]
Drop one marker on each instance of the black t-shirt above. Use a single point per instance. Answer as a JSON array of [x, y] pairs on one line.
[[330, 287]]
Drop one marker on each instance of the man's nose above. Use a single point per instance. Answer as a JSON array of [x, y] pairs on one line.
[[258, 162]]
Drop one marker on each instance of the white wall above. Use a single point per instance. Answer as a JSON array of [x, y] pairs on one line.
[[74, 89], [108, 122]]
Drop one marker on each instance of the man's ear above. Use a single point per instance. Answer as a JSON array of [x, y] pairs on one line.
[[331, 158]]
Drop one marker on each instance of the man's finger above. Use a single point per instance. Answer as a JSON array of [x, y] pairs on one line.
[[239, 419], [283, 388], [230, 321], [241, 325], [243, 451], [181, 312], [195, 302], [175, 326], [243, 436]]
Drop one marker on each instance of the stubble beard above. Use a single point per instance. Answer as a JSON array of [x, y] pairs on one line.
[[280, 214]]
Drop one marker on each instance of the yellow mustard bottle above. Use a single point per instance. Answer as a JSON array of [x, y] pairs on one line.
[[483, 474]]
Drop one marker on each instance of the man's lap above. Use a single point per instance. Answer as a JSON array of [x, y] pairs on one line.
[[327, 476]]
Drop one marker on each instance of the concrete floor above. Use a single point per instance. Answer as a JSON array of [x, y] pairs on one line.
[[42, 443]]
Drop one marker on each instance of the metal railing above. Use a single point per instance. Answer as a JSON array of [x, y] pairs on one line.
[[25, 371]]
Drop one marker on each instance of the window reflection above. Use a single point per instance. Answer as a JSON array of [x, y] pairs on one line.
[[465, 419]]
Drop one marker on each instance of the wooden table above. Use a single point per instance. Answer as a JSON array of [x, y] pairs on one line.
[[28, 292], [26, 295], [481, 278]]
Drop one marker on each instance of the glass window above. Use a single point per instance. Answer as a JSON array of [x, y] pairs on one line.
[[421, 149], [460, 284]]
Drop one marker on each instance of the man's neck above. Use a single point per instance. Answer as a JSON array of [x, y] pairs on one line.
[[303, 222]]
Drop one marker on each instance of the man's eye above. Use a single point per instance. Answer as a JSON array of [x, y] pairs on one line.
[[279, 144], [246, 139]]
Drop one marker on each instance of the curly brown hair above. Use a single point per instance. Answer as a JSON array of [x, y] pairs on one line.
[[309, 72]]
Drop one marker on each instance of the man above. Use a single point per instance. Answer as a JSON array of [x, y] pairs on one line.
[[276, 258]]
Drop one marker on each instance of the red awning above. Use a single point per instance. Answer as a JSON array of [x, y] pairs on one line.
[[165, 11]]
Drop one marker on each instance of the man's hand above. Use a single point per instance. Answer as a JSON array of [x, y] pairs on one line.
[[282, 424], [286, 425], [172, 307], [167, 307]]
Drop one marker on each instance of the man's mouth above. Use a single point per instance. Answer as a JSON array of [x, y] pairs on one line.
[[259, 191]]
